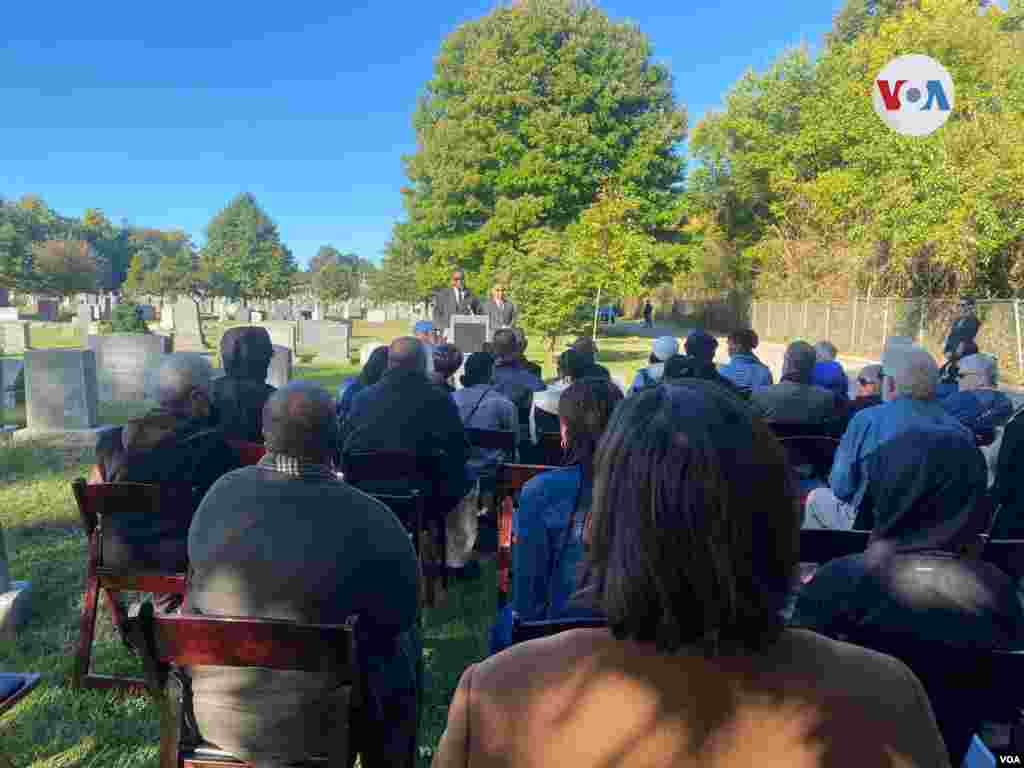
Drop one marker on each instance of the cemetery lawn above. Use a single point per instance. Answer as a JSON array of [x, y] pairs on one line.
[[57, 727]]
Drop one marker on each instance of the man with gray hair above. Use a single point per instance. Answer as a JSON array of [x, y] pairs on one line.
[[900, 457], [978, 404], [287, 540], [176, 444]]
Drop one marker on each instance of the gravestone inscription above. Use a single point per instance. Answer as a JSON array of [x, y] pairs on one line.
[[60, 389]]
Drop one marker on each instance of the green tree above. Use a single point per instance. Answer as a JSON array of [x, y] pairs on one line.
[[334, 283], [135, 283], [529, 109], [243, 245], [399, 276], [126, 317], [65, 267]]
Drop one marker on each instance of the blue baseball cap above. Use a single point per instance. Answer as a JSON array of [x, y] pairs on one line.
[[423, 326]]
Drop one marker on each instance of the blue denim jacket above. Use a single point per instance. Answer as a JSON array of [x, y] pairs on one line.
[[979, 409], [747, 372]]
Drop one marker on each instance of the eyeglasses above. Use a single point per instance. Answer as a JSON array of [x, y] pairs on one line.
[[865, 382]]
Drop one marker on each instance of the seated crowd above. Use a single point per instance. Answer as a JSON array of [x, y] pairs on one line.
[[675, 516]]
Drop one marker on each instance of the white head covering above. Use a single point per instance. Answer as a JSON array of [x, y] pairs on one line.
[[664, 347], [547, 401]]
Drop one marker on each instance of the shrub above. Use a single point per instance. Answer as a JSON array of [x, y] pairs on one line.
[[126, 317]]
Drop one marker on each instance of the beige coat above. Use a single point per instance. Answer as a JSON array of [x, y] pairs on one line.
[[585, 700]]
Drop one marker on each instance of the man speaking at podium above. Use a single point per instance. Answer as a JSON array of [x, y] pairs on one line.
[[456, 300]]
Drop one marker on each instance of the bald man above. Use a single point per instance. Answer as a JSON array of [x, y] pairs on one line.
[[286, 539], [176, 444]]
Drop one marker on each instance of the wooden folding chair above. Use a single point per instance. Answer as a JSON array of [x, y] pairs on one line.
[[196, 641], [510, 481], [248, 453], [409, 509], [531, 630], [97, 504], [24, 684]]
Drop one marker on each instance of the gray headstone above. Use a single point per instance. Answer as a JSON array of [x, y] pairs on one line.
[[5, 297], [282, 333], [8, 314], [60, 389], [280, 371], [105, 306], [256, 316], [188, 331], [14, 338], [167, 317], [128, 363], [48, 310], [318, 311], [469, 332], [244, 314], [326, 338], [376, 316], [281, 312], [84, 315]]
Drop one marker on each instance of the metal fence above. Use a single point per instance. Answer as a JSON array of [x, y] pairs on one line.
[[860, 327]]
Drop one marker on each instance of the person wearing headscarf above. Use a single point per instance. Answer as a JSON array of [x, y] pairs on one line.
[[447, 360], [238, 397], [661, 350], [917, 580], [795, 401]]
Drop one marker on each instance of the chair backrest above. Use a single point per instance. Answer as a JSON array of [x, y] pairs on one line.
[[822, 545], [510, 480], [409, 509], [248, 453], [819, 451], [1007, 555], [1008, 489], [512, 477], [531, 630], [372, 468], [551, 452], [492, 439]]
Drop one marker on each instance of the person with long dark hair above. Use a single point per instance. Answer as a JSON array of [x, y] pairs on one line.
[[553, 508], [693, 544]]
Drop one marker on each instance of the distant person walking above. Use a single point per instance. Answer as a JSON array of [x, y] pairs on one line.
[[648, 313]]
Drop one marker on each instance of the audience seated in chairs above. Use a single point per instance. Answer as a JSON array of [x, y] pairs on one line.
[[239, 396], [176, 444], [662, 349], [744, 369], [828, 373], [920, 579], [512, 379], [693, 545], [376, 366], [288, 540], [587, 347], [904, 458], [795, 400], [680, 367], [405, 413], [700, 347], [447, 360], [978, 404], [553, 509]]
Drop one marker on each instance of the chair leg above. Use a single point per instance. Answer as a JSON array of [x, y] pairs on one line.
[[86, 630], [118, 613]]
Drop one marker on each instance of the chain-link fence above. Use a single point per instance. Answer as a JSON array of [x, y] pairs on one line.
[[860, 327]]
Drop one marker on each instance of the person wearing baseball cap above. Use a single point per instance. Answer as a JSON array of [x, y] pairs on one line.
[[869, 389], [661, 350]]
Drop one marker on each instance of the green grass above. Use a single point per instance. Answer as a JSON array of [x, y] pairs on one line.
[[57, 727]]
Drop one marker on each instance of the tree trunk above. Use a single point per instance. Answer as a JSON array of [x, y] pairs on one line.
[[597, 310]]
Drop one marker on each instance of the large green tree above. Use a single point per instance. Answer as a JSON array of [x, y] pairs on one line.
[[530, 109], [65, 267], [243, 245]]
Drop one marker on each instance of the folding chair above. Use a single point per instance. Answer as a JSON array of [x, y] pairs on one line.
[[493, 440], [409, 509], [531, 630], [249, 453], [98, 504], [196, 641], [14, 686], [510, 481], [374, 471]]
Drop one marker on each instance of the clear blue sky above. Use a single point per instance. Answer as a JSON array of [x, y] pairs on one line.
[[159, 114]]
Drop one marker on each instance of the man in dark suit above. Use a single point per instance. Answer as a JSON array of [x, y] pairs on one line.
[[502, 313], [457, 300]]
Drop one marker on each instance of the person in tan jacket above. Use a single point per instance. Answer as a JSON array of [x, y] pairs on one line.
[[693, 545]]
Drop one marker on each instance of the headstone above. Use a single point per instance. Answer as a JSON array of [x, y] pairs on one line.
[[84, 315], [105, 307], [9, 370], [469, 332], [48, 310], [188, 330], [147, 312], [244, 314], [167, 317], [326, 338], [13, 597], [376, 316], [60, 389], [8, 314], [281, 312], [5, 297], [128, 363], [282, 333], [256, 316], [318, 311], [280, 371], [14, 338]]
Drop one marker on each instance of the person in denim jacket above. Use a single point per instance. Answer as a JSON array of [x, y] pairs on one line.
[[744, 369], [546, 554]]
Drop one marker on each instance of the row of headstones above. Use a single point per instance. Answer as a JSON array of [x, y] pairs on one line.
[[63, 387]]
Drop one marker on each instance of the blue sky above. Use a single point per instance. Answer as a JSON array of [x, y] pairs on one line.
[[160, 114]]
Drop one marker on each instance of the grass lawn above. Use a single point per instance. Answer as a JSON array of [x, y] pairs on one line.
[[57, 727]]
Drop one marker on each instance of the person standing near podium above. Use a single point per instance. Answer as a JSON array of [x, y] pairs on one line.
[[457, 300], [501, 312]]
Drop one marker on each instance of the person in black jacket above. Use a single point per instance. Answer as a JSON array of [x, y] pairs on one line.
[[457, 300], [239, 396]]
